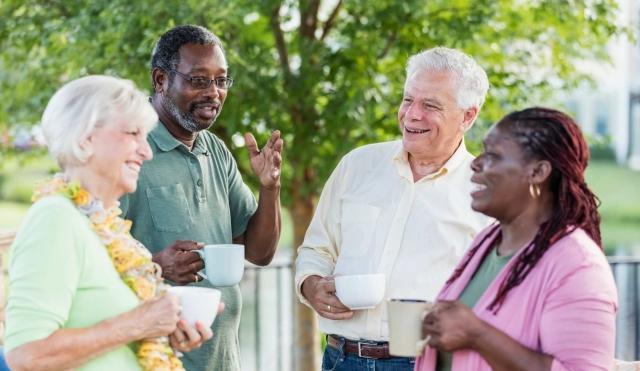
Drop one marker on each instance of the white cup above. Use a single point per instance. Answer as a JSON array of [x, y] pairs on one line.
[[405, 326], [223, 264], [360, 291], [198, 303]]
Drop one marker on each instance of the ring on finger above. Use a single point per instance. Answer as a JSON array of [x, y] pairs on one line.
[[196, 277], [329, 307]]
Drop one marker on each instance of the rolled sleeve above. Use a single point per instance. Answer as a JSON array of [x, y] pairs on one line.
[[318, 253]]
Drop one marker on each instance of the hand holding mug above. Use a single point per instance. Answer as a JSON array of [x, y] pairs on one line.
[[451, 326], [178, 263], [187, 337], [321, 293]]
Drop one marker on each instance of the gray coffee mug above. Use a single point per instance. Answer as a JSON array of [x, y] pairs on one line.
[[223, 264]]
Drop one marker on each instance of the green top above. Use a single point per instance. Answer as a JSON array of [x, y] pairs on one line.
[[61, 276], [486, 273], [194, 195]]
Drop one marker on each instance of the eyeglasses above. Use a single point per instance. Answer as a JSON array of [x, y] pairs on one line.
[[201, 82]]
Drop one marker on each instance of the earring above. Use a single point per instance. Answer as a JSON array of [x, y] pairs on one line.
[[534, 191]]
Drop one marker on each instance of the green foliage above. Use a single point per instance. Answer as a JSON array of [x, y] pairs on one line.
[[330, 82]]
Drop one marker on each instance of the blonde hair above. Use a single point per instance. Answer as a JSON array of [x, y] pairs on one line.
[[84, 104]]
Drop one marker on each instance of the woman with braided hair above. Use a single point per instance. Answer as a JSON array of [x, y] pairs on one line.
[[535, 291]]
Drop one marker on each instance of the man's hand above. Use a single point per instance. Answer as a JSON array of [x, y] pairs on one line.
[[321, 293], [179, 262], [266, 162]]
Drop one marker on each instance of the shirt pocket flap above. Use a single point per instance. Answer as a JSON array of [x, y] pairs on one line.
[[169, 208]]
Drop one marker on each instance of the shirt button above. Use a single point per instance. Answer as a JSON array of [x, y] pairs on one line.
[[199, 182]]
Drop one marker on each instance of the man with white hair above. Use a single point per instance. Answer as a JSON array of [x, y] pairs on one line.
[[400, 208]]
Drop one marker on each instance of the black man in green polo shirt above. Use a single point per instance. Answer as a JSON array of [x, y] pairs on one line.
[[191, 193]]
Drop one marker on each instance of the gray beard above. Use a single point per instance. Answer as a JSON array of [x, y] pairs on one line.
[[184, 119]]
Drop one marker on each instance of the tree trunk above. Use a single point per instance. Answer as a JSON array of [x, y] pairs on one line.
[[307, 340]]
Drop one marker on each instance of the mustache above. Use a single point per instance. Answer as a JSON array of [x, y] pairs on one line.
[[206, 102]]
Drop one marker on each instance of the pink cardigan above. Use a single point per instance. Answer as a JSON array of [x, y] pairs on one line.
[[565, 307]]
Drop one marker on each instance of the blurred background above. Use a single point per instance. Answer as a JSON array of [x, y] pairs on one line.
[[329, 75]]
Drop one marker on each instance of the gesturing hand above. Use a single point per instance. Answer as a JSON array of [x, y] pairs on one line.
[[451, 326], [321, 293], [179, 262], [266, 162]]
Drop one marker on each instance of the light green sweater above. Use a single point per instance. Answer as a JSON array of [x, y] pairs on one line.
[[61, 276]]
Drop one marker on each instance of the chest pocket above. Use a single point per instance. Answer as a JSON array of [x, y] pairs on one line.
[[357, 227], [169, 208]]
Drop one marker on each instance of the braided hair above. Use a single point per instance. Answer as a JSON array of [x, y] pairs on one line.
[[547, 134]]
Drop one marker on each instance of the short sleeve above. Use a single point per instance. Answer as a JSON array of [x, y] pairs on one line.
[[44, 271]]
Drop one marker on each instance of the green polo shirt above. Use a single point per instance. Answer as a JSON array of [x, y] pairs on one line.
[[194, 195]]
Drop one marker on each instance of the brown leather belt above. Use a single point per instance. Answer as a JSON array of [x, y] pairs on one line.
[[364, 349]]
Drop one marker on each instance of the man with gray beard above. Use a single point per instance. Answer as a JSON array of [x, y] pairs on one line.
[[192, 193]]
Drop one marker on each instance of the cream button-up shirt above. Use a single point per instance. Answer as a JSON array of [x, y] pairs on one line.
[[373, 218]]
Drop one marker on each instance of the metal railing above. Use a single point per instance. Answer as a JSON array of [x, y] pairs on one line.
[[626, 273], [267, 346], [266, 328]]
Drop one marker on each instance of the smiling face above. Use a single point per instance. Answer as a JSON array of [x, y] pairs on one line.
[[431, 122], [118, 151], [190, 108], [501, 177]]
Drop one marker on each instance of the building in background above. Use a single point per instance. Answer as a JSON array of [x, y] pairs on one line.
[[610, 112]]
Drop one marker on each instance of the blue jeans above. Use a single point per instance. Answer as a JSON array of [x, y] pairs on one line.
[[337, 360], [3, 363]]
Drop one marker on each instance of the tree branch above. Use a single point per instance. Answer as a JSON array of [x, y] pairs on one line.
[[390, 41], [274, 21], [309, 18], [331, 21]]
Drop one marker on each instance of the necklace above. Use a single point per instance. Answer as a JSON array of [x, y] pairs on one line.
[[130, 258]]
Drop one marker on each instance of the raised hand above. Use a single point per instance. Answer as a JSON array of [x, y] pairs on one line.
[[266, 163], [321, 293]]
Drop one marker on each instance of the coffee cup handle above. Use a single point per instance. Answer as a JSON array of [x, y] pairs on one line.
[[201, 272]]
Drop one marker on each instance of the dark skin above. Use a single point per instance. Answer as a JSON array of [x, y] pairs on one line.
[[505, 172], [178, 262]]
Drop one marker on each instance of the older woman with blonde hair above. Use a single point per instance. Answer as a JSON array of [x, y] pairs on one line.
[[83, 293]]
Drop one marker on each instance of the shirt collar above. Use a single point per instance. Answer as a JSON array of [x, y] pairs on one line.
[[401, 159], [167, 142], [161, 136]]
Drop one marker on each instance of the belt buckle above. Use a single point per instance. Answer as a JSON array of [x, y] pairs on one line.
[[360, 343]]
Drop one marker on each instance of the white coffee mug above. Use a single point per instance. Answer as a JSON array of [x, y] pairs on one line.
[[198, 303], [223, 264], [405, 326], [360, 291]]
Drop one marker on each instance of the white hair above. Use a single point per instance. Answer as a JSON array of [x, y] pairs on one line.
[[82, 105], [471, 83]]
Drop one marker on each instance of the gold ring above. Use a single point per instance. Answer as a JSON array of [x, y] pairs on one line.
[[197, 277], [329, 307]]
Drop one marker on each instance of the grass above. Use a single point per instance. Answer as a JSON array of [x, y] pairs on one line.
[[618, 190]]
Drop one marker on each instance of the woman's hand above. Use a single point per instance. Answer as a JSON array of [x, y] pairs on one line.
[[451, 326], [187, 338], [156, 317]]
